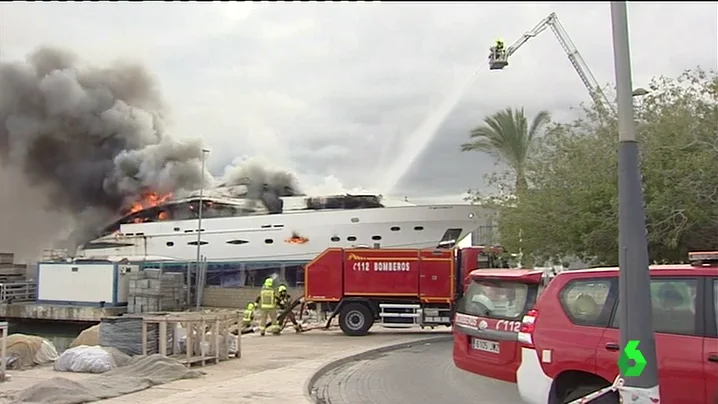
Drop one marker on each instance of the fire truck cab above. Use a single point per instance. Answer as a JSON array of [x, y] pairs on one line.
[[399, 288]]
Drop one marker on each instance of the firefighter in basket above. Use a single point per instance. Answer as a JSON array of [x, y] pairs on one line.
[[247, 318], [267, 302], [285, 302], [500, 50]]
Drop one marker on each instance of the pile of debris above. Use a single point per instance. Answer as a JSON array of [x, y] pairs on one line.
[[25, 351]]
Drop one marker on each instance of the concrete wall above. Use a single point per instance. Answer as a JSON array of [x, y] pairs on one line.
[[217, 296]]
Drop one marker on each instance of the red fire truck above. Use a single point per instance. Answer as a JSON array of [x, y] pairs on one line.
[[398, 288]]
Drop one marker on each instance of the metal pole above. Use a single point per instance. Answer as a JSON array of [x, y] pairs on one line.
[[199, 223], [188, 302], [635, 312]]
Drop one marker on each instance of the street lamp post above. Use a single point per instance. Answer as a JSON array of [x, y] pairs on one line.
[[634, 309], [199, 229]]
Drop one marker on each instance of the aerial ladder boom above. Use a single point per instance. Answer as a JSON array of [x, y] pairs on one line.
[[498, 59]]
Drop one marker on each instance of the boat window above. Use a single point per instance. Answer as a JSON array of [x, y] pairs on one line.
[[200, 243], [419, 228], [237, 242], [180, 211], [102, 245], [376, 238], [450, 238], [344, 202], [335, 239], [170, 244], [269, 241], [351, 238], [395, 228]]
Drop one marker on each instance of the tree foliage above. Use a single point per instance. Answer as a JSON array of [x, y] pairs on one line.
[[571, 206], [508, 136]]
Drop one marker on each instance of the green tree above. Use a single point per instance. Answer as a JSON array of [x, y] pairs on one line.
[[571, 208], [508, 136]]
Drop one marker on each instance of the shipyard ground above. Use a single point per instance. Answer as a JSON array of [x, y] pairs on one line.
[[420, 374], [273, 369]]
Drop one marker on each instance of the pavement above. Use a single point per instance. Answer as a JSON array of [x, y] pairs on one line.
[[272, 369], [420, 374]]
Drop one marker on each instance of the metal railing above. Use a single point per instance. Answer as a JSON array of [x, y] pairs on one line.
[[18, 291]]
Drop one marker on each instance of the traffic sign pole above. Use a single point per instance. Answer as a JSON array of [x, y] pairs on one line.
[[634, 310]]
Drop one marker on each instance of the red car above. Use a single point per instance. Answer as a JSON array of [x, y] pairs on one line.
[[487, 321], [570, 339]]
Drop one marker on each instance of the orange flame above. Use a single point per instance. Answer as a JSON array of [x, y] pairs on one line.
[[296, 239], [149, 200]]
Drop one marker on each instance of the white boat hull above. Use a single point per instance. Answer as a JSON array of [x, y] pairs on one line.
[[291, 236]]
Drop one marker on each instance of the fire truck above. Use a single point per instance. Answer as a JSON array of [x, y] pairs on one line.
[[399, 288]]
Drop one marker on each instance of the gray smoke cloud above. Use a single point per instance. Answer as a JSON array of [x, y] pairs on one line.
[[91, 139], [262, 183], [257, 177]]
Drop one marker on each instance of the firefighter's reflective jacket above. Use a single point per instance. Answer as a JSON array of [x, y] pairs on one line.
[[267, 299], [284, 300], [248, 315]]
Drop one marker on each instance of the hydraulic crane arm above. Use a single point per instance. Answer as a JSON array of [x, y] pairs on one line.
[[594, 89]]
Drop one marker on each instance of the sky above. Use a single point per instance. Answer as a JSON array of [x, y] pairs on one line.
[[338, 92]]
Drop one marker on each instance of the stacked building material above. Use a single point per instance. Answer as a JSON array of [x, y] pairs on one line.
[[152, 290], [125, 333], [9, 270]]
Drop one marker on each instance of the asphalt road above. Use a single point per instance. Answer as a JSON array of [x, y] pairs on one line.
[[423, 374]]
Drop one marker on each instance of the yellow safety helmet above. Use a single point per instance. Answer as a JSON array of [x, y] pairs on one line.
[[282, 288], [268, 283], [250, 306]]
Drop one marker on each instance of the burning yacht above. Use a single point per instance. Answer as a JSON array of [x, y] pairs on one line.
[[269, 227]]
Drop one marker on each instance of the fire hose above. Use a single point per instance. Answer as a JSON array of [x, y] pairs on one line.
[[283, 315], [636, 394]]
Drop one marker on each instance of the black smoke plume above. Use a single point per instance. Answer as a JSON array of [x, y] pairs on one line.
[[91, 139]]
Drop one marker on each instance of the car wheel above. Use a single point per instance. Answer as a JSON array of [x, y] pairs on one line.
[[582, 391]]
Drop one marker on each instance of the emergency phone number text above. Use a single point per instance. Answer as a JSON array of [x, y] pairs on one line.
[[382, 266]]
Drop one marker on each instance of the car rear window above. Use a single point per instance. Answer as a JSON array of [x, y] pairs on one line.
[[584, 300], [496, 299]]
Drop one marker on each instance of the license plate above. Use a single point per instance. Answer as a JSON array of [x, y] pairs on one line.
[[484, 345]]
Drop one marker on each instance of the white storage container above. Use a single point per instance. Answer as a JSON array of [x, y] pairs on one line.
[[83, 283]]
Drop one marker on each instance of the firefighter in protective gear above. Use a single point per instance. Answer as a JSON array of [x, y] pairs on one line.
[[499, 49], [267, 302], [285, 301], [248, 317]]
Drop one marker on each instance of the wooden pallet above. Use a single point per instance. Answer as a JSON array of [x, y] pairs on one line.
[[197, 325]]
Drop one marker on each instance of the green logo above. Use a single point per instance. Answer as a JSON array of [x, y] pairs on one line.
[[632, 353]]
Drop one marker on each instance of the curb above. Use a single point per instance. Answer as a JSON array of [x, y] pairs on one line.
[[326, 368]]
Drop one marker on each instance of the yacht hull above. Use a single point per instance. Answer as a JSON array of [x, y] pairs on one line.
[[291, 236]]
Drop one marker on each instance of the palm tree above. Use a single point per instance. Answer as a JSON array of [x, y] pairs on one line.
[[507, 136]]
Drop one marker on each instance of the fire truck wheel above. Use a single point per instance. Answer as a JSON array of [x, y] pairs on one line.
[[355, 319]]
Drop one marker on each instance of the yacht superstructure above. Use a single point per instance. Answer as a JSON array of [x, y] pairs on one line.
[[236, 226]]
